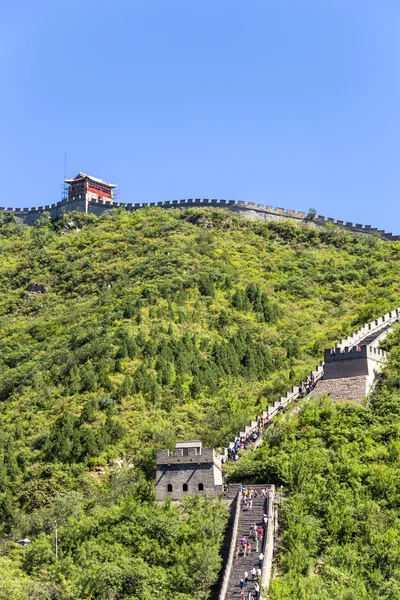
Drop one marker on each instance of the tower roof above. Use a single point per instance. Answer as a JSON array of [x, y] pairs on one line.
[[189, 444], [83, 176]]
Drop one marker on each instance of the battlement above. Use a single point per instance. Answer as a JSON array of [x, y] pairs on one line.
[[97, 204], [354, 353], [278, 212], [188, 455], [341, 375], [377, 328], [190, 469]]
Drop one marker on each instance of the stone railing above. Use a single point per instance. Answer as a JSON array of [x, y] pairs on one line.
[[273, 410], [364, 331], [268, 542], [354, 353], [37, 209], [280, 213], [370, 328], [228, 565]]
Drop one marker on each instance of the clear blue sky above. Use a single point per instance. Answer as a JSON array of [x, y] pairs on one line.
[[291, 103]]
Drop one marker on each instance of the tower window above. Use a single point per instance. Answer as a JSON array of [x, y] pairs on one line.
[[169, 487], [185, 487], [201, 487]]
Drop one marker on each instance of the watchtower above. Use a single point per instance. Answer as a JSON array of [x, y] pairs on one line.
[[349, 372], [87, 188], [189, 471]]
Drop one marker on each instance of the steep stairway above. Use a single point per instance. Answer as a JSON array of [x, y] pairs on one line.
[[246, 563], [370, 338]]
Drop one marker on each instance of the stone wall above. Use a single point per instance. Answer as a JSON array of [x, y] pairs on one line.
[[358, 384], [269, 542], [346, 368], [373, 327], [249, 209], [178, 475], [29, 216], [228, 560], [349, 388]]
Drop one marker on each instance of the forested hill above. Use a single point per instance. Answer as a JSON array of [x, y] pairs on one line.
[[120, 335]]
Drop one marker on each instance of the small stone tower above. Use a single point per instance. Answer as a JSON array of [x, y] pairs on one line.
[[87, 188], [349, 373], [191, 470]]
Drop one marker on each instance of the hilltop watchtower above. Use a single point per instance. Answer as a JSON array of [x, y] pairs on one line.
[[190, 470], [87, 188]]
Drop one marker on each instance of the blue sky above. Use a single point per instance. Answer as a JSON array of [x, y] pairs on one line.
[[290, 103]]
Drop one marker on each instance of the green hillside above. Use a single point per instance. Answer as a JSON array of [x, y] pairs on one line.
[[120, 335]]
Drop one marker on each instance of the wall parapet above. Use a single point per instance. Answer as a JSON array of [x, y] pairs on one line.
[[369, 328], [367, 352], [232, 205], [268, 543], [353, 353], [338, 352], [229, 562], [207, 455]]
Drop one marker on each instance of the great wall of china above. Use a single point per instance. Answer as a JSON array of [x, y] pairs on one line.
[[249, 209], [349, 372], [355, 357]]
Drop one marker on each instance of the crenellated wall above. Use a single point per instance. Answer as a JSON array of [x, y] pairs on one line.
[[30, 215], [351, 353], [248, 209], [189, 466], [339, 361]]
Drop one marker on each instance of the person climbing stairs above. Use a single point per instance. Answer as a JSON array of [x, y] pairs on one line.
[[246, 561]]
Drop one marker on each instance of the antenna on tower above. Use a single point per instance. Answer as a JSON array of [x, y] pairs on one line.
[[63, 186]]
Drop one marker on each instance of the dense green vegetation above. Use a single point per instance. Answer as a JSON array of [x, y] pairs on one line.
[[153, 327]]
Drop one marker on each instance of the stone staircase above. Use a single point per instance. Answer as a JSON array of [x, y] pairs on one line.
[[372, 337], [246, 563], [369, 334]]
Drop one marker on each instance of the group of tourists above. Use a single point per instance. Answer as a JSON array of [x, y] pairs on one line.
[[247, 497], [253, 594], [244, 442], [307, 386], [248, 440], [250, 586], [250, 590], [257, 531], [244, 548]]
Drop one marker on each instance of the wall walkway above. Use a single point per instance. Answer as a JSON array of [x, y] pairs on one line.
[[246, 517], [370, 333], [373, 333]]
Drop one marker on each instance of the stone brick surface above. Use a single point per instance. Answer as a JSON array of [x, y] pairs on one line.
[[190, 470], [346, 368], [246, 563], [347, 388], [92, 204]]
